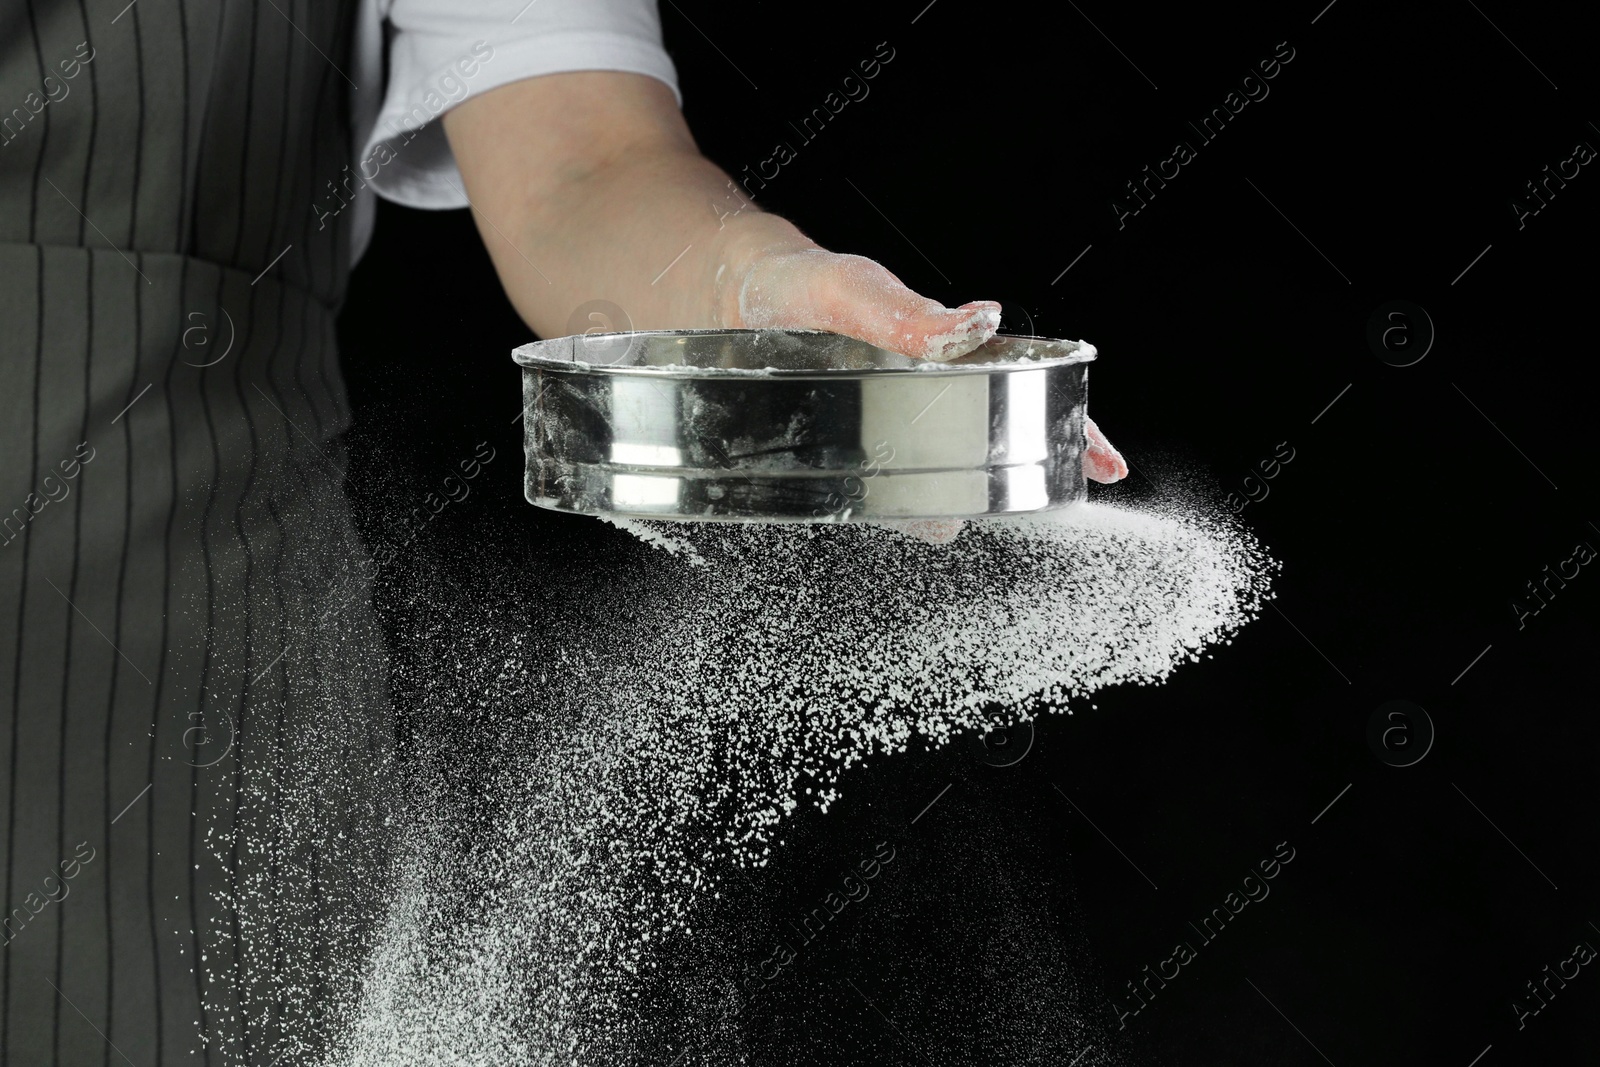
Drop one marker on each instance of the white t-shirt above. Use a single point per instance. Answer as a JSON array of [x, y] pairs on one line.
[[415, 59]]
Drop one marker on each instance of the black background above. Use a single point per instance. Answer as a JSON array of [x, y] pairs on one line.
[[1414, 511]]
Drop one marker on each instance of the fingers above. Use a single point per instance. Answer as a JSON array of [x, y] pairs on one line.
[[814, 289], [1101, 461], [953, 332], [853, 295]]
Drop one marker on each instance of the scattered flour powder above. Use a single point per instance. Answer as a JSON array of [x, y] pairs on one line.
[[635, 750]]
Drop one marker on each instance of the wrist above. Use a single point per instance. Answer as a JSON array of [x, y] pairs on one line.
[[743, 242]]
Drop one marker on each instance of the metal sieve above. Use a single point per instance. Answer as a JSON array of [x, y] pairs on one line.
[[800, 426]]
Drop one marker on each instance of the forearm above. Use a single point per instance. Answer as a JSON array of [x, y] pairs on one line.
[[588, 186]]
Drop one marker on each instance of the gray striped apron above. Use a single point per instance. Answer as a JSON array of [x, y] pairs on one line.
[[194, 708]]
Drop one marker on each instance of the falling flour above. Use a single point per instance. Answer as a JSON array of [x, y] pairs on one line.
[[659, 534], [635, 751]]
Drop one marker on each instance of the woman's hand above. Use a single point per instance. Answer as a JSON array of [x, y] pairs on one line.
[[814, 289], [588, 185]]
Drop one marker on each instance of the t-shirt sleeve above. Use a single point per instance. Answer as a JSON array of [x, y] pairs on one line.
[[440, 52]]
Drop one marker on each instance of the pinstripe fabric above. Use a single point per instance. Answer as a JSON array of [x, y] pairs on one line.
[[195, 730]]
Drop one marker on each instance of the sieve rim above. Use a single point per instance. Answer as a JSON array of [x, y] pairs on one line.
[[621, 353]]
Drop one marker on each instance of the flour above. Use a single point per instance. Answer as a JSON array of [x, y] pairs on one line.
[[660, 535], [635, 754]]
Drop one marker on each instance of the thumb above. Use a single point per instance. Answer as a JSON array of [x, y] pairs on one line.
[[1101, 460]]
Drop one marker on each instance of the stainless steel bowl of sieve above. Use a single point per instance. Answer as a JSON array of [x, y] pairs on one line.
[[800, 426]]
